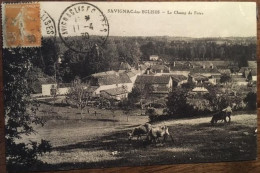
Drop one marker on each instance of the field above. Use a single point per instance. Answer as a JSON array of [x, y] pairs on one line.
[[100, 140]]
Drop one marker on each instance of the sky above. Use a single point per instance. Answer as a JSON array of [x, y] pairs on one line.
[[219, 19]]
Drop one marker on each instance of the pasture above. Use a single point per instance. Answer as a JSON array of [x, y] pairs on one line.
[[100, 140]]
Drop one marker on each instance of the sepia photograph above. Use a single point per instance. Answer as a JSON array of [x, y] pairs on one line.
[[115, 84]]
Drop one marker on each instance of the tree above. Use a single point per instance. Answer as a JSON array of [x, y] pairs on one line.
[[177, 105], [78, 95], [20, 109], [225, 78], [251, 100]]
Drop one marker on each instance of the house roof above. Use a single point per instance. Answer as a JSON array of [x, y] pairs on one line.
[[199, 77], [115, 91], [111, 77], [147, 79], [224, 71], [204, 70], [159, 67], [176, 78], [242, 69]]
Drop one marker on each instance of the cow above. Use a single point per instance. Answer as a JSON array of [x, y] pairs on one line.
[[156, 132], [222, 115], [139, 131]]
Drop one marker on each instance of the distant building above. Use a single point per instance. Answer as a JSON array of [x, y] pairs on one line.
[[177, 80], [109, 80], [197, 78], [239, 80], [205, 71], [158, 69], [154, 58], [159, 84], [48, 89], [114, 93]]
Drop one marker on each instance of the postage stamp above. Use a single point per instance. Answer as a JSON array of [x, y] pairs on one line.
[[86, 23], [22, 25]]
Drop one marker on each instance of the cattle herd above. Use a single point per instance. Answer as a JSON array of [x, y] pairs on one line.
[[154, 133]]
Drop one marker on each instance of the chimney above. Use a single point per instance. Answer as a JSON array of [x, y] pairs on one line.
[[203, 66], [174, 64], [148, 71]]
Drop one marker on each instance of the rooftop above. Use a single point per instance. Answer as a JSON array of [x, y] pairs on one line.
[[147, 79], [115, 91]]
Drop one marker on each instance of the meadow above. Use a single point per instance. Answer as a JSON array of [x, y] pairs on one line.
[[97, 140]]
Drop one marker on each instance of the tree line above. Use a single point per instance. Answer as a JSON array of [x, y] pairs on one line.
[[135, 49]]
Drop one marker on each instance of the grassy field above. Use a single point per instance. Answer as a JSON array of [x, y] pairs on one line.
[[89, 141]]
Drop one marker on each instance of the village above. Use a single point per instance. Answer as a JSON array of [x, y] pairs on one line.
[[155, 79]]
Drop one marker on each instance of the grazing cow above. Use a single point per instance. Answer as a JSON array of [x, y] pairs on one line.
[[139, 131], [156, 132], [222, 115]]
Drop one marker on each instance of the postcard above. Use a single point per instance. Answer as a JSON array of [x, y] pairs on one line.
[[112, 84]]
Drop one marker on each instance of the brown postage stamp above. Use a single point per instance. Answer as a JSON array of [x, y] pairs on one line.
[[22, 25]]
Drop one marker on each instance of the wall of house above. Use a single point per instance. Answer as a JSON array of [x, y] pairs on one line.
[[254, 78], [46, 89], [63, 91]]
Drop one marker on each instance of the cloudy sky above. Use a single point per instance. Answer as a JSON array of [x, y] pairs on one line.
[[219, 19]]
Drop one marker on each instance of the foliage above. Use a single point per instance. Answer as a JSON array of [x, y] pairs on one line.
[[20, 109], [177, 105], [251, 100], [78, 95]]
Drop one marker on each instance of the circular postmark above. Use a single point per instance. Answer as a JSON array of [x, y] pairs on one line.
[[48, 27], [82, 26]]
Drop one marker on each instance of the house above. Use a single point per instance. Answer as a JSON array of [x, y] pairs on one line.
[[158, 84], [239, 80], [214, 79], [49, 89], [109, 80], [178, 80], [180, 68], [197, 78], [63, 88], [207, 72], [225, 71], [114, 93], [252, 64], [159, 69], [154, 58], [253, 73]]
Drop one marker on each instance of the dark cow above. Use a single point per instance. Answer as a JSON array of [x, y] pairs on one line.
[[139, 131]]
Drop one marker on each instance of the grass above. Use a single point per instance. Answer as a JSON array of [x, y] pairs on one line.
[[91, 141]]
